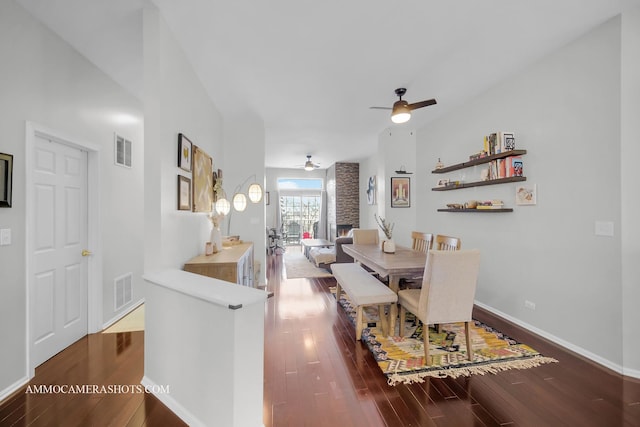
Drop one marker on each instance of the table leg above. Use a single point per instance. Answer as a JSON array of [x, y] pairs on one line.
[[394, 285]]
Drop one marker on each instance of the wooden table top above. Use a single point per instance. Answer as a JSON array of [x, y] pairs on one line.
[[404, 261]]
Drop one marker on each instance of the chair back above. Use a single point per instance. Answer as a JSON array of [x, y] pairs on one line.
[[365, 236], [447, 243], [421, 241], [449, 286]]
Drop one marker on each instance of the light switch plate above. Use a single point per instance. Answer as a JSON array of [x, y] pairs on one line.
[[5, 236], [604, 228]]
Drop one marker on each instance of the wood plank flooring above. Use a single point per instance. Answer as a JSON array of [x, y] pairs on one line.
[[315, 374]]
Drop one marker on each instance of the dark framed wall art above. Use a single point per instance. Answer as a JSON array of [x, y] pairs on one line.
[[400, 192], [6, 179]]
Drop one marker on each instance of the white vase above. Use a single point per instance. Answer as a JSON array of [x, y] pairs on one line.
[[216, 239], [388, 246]]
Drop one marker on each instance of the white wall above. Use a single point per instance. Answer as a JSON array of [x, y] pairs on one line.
[[45, 81], [175, 102], [396, 149], [629, 155], [565, 110], [244, 137]]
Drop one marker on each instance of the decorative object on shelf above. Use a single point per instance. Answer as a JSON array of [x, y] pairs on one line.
[[184, 152], [484, 174], [526, 195], [439, 164], [471, 204], [400, 192], [442, 182], [208, 248], [403, 171], [6, 179], [388, 245], [371, 190], [455, 206], [184, 193], [490, 204], [202, 180]]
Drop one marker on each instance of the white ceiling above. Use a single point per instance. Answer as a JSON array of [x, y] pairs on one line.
[[312, 69]]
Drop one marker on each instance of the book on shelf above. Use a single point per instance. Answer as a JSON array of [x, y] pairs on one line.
[[499, 142], [515, 166]]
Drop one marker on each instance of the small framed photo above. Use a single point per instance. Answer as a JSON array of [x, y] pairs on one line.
[[442, 182], [526, 195], [184, 193], [400, 192], [6, 179], [185, 149]]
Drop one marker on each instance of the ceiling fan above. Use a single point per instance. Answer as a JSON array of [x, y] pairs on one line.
[[309, 165], [401, 110]]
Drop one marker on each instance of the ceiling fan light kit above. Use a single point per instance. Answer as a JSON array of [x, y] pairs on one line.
[[401, 111], [309, 165]]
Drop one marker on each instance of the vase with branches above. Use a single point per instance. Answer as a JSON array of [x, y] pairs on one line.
[[388, 245]]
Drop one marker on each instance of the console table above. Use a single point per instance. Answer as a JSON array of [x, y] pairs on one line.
[[232, 264]]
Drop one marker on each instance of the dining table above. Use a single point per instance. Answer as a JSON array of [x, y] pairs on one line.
[[403, 263]]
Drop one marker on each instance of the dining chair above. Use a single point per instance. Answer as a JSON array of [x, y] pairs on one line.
[[447, 294], [447, 243], [421, 241], [363, 236]]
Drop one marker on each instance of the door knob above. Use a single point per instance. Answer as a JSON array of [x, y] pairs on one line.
[[86, 252]]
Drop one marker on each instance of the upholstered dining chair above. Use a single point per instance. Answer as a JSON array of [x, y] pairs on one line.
[[447, 243], [363, 236], [421, 241], [447, 294]]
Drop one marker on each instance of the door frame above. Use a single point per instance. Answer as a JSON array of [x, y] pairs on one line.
[[94, 241]]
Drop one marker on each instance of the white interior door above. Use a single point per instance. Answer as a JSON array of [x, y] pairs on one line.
[[59, 279]]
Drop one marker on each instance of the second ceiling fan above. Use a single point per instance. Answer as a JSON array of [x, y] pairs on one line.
[[401, 110]]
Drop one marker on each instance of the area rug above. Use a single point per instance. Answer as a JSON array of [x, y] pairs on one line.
[[297, 265], [402, 359]]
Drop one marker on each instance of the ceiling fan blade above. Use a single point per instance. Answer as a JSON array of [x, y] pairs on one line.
[[380, 108], [421, 104]]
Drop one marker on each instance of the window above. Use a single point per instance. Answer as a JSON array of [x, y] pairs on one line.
[[300, 204]]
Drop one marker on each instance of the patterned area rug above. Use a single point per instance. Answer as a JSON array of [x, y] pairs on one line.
[[402, 359], [297, 265]]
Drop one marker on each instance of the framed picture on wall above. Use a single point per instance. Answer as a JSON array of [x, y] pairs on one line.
[[6, 179], [184, 193], [400, 192], [185, 152], [371, 190], [202, 185]]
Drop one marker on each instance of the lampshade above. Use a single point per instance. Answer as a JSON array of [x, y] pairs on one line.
[[401, 112], [255, 192], [223, 206], [239, 202], [308, 166]]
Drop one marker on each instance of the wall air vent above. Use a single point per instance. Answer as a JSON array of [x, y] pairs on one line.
[[122, 291], [122, 151]]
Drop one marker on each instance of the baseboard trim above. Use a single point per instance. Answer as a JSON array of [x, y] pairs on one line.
[[13, 388], [605, 363], [123, 313], [172, 404]]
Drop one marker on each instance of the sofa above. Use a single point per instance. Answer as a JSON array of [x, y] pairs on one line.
[[324, 257]]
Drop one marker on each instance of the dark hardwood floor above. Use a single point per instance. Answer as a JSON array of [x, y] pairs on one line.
[[317, 375]]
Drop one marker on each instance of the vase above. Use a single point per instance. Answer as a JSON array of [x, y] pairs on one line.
[[216, 239], [388, 246]]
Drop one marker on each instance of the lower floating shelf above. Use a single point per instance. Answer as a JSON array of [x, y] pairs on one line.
[[477, 210]]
